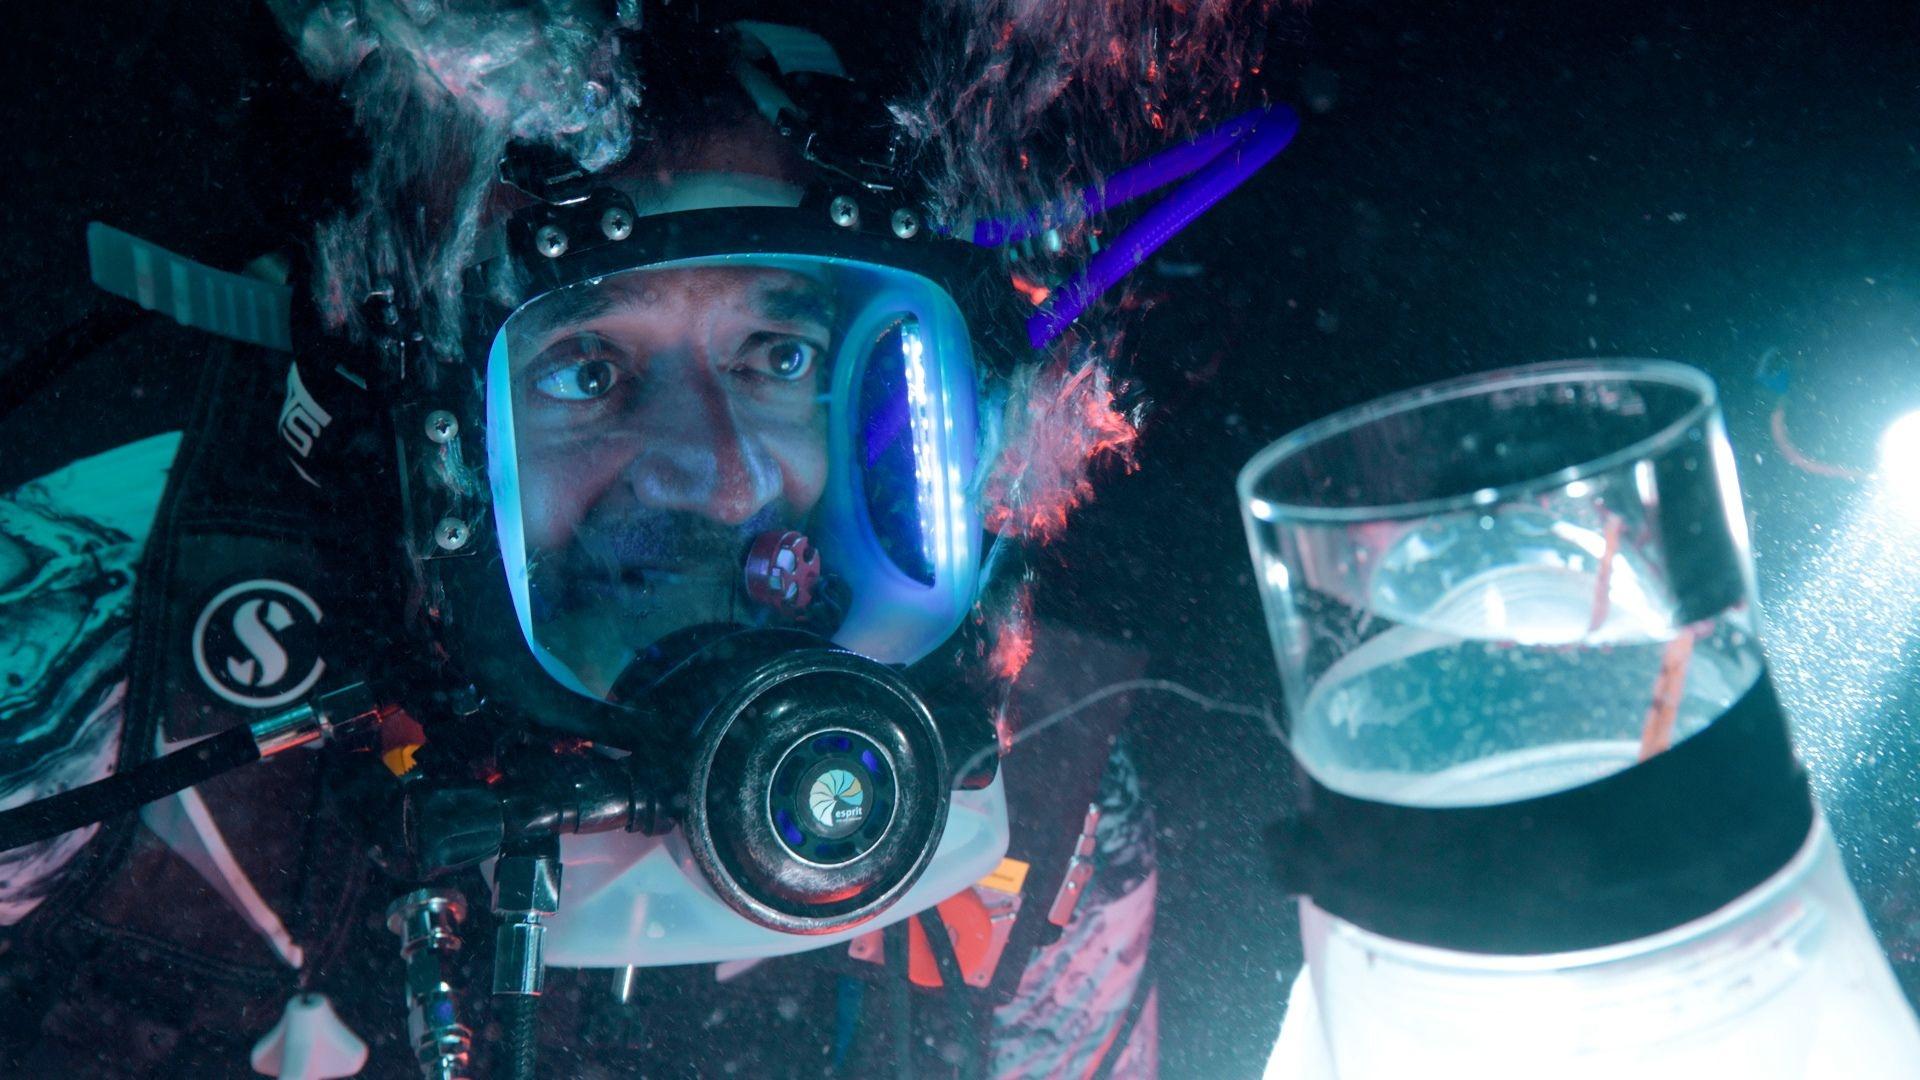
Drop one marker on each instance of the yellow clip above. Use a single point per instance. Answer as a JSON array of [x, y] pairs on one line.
[[1009, 877], [399, 760]]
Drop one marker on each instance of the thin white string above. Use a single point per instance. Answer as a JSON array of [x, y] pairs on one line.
[[1167, 686]]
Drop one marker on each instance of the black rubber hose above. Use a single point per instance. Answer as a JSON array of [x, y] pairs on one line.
[[519, 1015], [953, 981], [893, 944], [127, 791]]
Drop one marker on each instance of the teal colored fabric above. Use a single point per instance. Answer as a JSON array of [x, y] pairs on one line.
[[69, 545]]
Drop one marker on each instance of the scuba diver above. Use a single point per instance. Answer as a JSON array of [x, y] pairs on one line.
[[664, 741]]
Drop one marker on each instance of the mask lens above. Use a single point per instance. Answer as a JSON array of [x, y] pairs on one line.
[[648, 429]]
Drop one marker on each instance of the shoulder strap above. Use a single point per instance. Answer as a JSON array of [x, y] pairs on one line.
[[270, 574]]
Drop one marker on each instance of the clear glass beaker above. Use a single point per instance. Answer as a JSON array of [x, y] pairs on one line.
[[1503, 588], [1505, 585]]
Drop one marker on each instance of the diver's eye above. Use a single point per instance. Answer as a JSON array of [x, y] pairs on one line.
[[582, 381], [788, 359]]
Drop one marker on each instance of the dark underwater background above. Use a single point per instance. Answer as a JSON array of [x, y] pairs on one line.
[[1474, 185]]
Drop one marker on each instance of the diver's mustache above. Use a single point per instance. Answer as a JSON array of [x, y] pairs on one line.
[[670, 540]]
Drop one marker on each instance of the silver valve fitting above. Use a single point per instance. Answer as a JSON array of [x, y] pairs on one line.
[[428, 923], [343, 715], [526, 890]]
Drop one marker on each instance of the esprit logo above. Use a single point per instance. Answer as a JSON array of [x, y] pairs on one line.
[[837, 800], [301, 420], [257, 644]]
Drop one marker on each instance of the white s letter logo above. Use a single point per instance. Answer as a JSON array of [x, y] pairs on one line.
[[258, 639], [257, 644]]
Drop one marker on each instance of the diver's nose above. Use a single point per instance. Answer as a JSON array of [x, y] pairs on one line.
[[696, 455]]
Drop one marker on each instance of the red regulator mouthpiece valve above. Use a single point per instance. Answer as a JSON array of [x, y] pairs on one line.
[[782, 570]]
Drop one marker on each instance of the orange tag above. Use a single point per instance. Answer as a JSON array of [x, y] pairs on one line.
[[1009, 877], [400, 736], [399, 760]]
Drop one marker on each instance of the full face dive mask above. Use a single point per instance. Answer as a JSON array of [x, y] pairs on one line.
[[730, 455]]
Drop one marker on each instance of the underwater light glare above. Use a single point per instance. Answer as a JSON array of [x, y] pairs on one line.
[[1898, 481], [1900, 454]]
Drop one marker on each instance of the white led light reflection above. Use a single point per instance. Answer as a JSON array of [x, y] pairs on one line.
[[1276, 574], [937, 487]]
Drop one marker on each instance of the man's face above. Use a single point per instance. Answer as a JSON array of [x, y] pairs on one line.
[[663, 419]]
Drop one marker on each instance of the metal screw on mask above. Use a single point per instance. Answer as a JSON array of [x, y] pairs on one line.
[[906, 224], [551, 241], [844, 212], [452, 534], [441, 427], [616, 223]]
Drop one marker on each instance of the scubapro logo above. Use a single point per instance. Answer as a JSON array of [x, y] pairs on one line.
[[301, 421], [257, 644], [301, 417], [837, 800]]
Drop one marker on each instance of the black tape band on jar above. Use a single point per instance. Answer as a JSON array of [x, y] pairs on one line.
[[1646, 849]]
